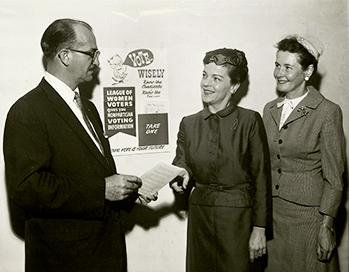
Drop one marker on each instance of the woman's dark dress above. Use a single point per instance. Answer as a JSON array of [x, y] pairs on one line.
[[226, 154]]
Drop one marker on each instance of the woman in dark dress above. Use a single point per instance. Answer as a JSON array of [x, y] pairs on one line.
[[223, 149], [306, 142]]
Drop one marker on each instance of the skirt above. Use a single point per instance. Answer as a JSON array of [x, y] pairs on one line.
[[293, 247], [218, 239]]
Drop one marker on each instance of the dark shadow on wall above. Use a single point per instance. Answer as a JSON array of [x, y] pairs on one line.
[[147, 217], [241, 92], [315, 81]]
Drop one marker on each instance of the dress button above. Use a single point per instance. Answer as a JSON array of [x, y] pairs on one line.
[[279, 171], [280, 141], [278, 156], [277, 187]]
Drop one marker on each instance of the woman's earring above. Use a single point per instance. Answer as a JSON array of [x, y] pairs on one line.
[[306, 78]]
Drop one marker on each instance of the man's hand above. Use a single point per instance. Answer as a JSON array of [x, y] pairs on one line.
[[180, 188], [258, 243], [119, 187]]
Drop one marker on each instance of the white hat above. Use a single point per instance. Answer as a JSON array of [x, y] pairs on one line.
[[312, 44]]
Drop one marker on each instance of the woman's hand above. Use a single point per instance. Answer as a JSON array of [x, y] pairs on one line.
[[145, 199], [257, 243], [179, 188], [326, 242]]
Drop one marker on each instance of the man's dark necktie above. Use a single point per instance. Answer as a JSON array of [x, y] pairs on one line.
[[77, 100]]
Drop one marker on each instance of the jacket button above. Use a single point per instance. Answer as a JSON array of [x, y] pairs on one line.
[[277, 187], [279, 171], [278, 156], [280, 141]]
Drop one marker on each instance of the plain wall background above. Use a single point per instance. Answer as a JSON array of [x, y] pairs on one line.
[[156, 236]]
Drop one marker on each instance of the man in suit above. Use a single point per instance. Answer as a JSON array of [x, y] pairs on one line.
[[64, 192]]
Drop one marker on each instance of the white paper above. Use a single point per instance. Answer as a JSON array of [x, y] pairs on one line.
[[157, 177]]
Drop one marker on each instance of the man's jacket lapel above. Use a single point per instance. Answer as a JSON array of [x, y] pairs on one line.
[[65, 112]]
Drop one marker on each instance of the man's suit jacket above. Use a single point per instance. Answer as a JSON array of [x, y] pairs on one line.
[[56, 188], [307, 153]]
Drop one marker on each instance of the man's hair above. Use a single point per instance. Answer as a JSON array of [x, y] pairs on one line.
[[59, 35]]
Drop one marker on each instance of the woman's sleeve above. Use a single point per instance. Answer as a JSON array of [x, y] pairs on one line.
[[260, 174], [181, 157], [332, 146]]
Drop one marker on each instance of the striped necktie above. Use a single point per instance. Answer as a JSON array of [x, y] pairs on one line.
[[77, 100]]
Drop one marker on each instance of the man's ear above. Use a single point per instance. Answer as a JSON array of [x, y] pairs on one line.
[[64, 57]]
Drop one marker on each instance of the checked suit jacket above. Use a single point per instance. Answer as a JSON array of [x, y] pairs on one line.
[[308, 152]]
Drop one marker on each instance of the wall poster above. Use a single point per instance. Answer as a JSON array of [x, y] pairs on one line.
[[135, 98]]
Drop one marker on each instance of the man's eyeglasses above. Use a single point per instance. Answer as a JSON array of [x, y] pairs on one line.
[[94, 55]]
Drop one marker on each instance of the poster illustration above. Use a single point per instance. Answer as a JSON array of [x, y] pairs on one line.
[[135, 99]]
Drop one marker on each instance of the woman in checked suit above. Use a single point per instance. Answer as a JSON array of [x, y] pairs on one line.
[[306, 142]]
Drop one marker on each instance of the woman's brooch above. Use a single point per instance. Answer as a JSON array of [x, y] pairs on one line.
[[303, 111]]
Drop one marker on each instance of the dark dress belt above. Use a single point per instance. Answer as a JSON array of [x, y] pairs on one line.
[[219, 187]]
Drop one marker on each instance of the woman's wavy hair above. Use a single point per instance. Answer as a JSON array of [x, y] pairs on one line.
[[235, 60]]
